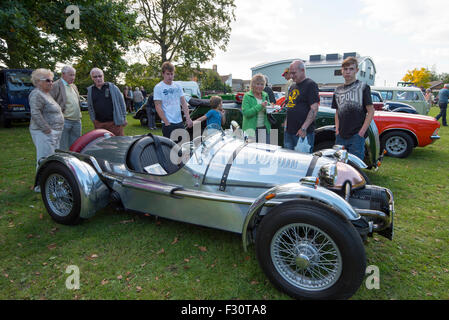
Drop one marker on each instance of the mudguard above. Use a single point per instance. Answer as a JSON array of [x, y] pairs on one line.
[[94, 193], [296, 191]]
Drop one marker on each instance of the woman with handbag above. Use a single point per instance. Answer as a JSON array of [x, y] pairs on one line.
[[255, 120]]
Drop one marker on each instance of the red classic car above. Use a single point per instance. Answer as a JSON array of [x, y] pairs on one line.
[[399, 132]]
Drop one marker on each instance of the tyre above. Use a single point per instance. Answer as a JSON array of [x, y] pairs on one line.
[[61, 194], [397, 143], [323, 145], [5, 123], [144, 121], [309, 252]]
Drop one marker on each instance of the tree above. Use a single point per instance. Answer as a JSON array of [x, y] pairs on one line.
[[420, 77], [186, 31], [35, 34], [210, 81], [444, 77], [139, 75]]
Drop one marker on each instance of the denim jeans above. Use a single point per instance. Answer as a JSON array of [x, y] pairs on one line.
[[442, 114], [71, 132], [354, 145], [167, 130], [291, 140]]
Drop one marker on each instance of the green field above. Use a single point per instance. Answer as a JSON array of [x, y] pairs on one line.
[[121, 255]]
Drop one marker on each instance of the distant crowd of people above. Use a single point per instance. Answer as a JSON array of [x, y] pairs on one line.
[[134, 99]]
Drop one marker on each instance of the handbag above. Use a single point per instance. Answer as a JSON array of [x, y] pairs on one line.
[[303, 145], [271, 119]]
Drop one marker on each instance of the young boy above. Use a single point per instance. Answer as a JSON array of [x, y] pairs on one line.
[[216, 116]]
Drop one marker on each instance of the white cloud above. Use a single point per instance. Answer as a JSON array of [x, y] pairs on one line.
[[399, 35]]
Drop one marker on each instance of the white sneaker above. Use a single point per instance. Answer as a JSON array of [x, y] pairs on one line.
[[37, 189]]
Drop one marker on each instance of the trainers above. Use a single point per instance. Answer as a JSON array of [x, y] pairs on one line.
[[37, 189]]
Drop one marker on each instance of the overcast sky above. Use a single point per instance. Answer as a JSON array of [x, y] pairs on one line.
[[398, 35]]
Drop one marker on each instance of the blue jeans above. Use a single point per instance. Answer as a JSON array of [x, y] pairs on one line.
[[291, 140], [354, 145], [442, 114], [71, 132]]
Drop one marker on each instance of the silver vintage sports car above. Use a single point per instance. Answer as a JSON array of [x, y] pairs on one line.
[[308, 214]]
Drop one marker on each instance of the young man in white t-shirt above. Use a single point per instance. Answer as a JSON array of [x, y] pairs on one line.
[[168, 97]]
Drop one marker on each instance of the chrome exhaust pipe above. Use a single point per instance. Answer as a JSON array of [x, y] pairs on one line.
[[375, 214]]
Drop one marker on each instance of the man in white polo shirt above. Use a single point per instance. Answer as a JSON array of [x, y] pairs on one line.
[[65, 93], [169, 99]]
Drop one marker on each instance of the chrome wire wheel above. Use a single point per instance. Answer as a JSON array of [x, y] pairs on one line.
[[59, 195], [306, 257], [396, 145]]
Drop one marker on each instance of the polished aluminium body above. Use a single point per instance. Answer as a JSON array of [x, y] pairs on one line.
[[255, 170], [226, 182]]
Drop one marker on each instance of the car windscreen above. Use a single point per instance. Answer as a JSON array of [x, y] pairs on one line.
[[19, 81]]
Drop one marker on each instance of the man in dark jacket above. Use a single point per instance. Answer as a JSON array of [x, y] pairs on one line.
[[106, 104]]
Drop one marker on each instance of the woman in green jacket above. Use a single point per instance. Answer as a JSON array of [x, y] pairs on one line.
[[254, 110]]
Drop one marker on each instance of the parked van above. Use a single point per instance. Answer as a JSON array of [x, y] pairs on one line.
[[190, 88], [409, 95], [15, 87]]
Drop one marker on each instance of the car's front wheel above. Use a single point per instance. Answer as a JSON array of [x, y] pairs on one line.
[[61, 194], [309, 252], [397, 143]]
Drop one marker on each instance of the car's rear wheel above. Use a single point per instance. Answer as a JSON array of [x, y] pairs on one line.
[[61, 194], [5, 123], [397, 143], [309, 252]]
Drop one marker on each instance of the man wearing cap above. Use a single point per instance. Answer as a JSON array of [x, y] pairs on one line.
[[287, 77]]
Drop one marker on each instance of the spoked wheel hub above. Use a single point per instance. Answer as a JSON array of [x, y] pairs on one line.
[[306, 257], [59, 195]]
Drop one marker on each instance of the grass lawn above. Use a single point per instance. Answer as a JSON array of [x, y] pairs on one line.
[[121, 255]]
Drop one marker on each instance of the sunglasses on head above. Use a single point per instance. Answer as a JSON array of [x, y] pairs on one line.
[[47, 80]]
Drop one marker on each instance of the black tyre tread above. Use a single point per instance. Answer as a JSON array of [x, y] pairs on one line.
[[343, 234], [323, 145], [73, 218]]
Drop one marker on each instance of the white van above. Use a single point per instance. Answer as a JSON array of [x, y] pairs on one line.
[[409, 95], [191, 89]]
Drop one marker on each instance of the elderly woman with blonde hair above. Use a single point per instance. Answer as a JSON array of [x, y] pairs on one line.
[[47, 120], [255, 122]]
